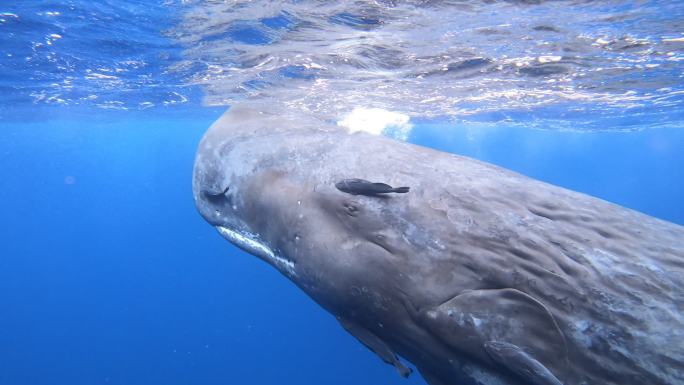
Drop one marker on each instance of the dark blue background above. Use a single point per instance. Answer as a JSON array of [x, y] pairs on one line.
[[115, 279]]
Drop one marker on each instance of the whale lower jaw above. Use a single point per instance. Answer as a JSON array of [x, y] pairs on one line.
[[251, 244]]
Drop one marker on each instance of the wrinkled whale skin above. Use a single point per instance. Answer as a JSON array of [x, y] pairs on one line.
[[472, 258]]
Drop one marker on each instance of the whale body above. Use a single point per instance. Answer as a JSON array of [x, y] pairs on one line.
[[474, 274]]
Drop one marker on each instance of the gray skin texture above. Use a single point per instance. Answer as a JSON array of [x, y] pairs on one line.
[[478, 275]]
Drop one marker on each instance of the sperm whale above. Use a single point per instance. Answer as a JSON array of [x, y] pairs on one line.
[[472, 273]]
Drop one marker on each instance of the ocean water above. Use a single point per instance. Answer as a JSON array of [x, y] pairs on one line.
[[109, 276]]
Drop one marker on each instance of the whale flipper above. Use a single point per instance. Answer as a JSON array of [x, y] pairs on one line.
[[376, 345], [475, 318], [520, 363], [363, 187]]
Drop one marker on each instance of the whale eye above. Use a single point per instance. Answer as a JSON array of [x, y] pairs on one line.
[[351, 208], [216, 198]]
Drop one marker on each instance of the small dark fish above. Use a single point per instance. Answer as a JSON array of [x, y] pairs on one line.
[[364, 187]]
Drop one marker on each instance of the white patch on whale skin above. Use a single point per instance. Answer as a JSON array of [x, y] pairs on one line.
[[250, 244], [581, 333], [377, 121]]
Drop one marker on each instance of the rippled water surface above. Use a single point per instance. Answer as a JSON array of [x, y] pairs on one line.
[[553, 64]]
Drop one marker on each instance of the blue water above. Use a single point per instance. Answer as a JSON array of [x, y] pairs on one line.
[[109, 276]]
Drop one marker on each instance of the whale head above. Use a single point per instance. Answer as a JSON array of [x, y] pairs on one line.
[[258, 181], [224, 178]]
